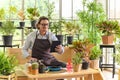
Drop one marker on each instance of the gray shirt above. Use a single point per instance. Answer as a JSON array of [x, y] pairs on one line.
[[31, 38]]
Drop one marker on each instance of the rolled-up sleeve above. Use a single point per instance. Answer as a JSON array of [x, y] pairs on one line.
[[25, 48], [28, 44]]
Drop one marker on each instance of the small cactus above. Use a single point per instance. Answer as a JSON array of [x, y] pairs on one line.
[[35, 65]]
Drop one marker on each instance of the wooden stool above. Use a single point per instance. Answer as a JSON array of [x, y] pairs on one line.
[[9, 77]]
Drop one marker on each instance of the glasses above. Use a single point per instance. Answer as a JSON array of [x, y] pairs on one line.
[[44, 24]]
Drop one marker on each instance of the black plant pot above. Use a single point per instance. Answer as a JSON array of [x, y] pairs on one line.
[[69, 39], [85, 65], [60, 38], [33, 22], [0, 24], [22, 24], [7, 39]]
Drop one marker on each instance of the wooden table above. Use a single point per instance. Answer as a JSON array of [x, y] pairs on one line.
[[89, 74], [8, 77]]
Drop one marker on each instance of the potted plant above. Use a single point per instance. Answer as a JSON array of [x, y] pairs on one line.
[[83, 47], [92, 13], [7, 64], [22, 17], [56, 27], [77, 61], [33, 14], [94, 56], [12, 12], [108, 28], [7, 30], [2, 15], [71, 29]]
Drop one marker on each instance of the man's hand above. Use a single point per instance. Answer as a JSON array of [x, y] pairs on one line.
[[59, 49]]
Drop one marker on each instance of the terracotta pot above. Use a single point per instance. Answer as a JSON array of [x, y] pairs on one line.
[[34, 71], [77, 68], [94, 64], [108, 39]]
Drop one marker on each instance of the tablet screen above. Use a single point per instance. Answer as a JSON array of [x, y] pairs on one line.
[[54, 44]]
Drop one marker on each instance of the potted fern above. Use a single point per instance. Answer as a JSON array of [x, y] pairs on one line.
[[7, 30], [33, 14], [77, 61], [7, 64], [21, 17], [94, 56], [71, 27]]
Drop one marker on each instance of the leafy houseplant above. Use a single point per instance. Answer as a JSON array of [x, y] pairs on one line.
[[12, 11], [2, 15], [33, 14], [22, 17], [95, 53], [7, 64], [77, 58], [91, 14], [71, 28], [77, 61], [94, 56], [83, 47], [7, 31], [56, 27], [108, 28]]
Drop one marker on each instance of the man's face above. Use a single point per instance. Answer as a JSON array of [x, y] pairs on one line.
[[43, 26]]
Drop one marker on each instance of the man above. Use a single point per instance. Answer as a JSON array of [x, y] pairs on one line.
[[39, 42]]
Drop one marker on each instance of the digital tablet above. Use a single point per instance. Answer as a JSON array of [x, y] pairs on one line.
[[54, 44]]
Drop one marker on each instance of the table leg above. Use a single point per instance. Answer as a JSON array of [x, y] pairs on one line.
[[35, 79], [90, 77]]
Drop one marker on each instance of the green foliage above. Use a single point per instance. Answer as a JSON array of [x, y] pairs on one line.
[[50, 8], [91, 14], [77, 58], [72, 27], [80, 45], [56, 27], [95, 53], [27, 31], [8, 28], [109, 27], [33, 13], [7, 63], [2, 13], [12, 11], [117, 56]]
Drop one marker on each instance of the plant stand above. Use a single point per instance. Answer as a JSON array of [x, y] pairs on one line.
[[8, 77]]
